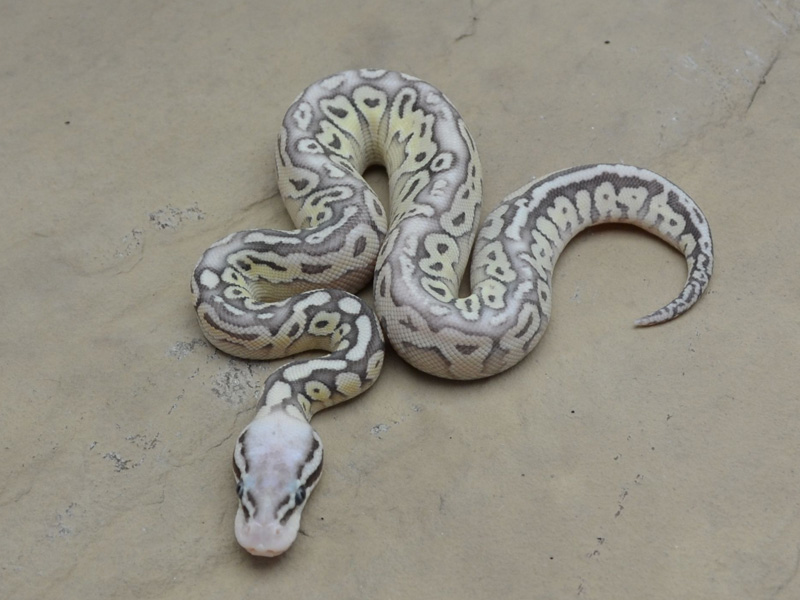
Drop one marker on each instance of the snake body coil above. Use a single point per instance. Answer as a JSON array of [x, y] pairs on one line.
[[267, 294]]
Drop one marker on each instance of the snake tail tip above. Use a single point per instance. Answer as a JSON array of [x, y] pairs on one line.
[[648, 321]]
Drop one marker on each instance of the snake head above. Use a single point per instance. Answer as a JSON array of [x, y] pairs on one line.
[[277, 463]]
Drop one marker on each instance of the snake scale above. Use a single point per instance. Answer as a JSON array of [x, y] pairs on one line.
[[265, 294]]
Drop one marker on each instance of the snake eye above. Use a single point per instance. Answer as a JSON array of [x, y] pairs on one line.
[[239, 489], [300, 495]]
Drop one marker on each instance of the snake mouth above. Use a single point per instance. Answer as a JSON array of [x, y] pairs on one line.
[[268, 547], [265, 539], [268, 552]]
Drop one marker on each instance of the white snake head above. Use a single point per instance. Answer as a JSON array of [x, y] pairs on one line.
[[277, 463]]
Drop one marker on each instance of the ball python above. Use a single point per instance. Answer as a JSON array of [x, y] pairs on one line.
[[266, 294]]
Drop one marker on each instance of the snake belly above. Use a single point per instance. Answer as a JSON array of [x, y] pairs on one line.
[[267, 294]]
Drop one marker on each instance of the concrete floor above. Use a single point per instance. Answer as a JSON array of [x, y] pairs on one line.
[[613, 463]]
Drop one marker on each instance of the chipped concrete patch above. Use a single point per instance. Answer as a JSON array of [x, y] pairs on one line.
[[171, 217]]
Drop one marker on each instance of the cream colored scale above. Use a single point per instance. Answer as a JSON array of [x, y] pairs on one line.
[[267, 294]]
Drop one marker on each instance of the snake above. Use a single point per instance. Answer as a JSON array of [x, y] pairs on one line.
[[267, 293]]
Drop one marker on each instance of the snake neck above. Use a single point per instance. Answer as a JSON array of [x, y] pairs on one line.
[[276, 398]]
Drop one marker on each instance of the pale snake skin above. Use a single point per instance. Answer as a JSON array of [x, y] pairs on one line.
[[267, 294]]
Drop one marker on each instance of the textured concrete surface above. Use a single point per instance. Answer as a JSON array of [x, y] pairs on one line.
[[613, 463]]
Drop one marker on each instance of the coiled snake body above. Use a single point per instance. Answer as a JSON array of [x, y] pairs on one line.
[[267, 294]]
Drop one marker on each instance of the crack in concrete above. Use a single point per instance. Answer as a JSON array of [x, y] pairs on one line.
[[762, 80], [473, 23], [775, 19]]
